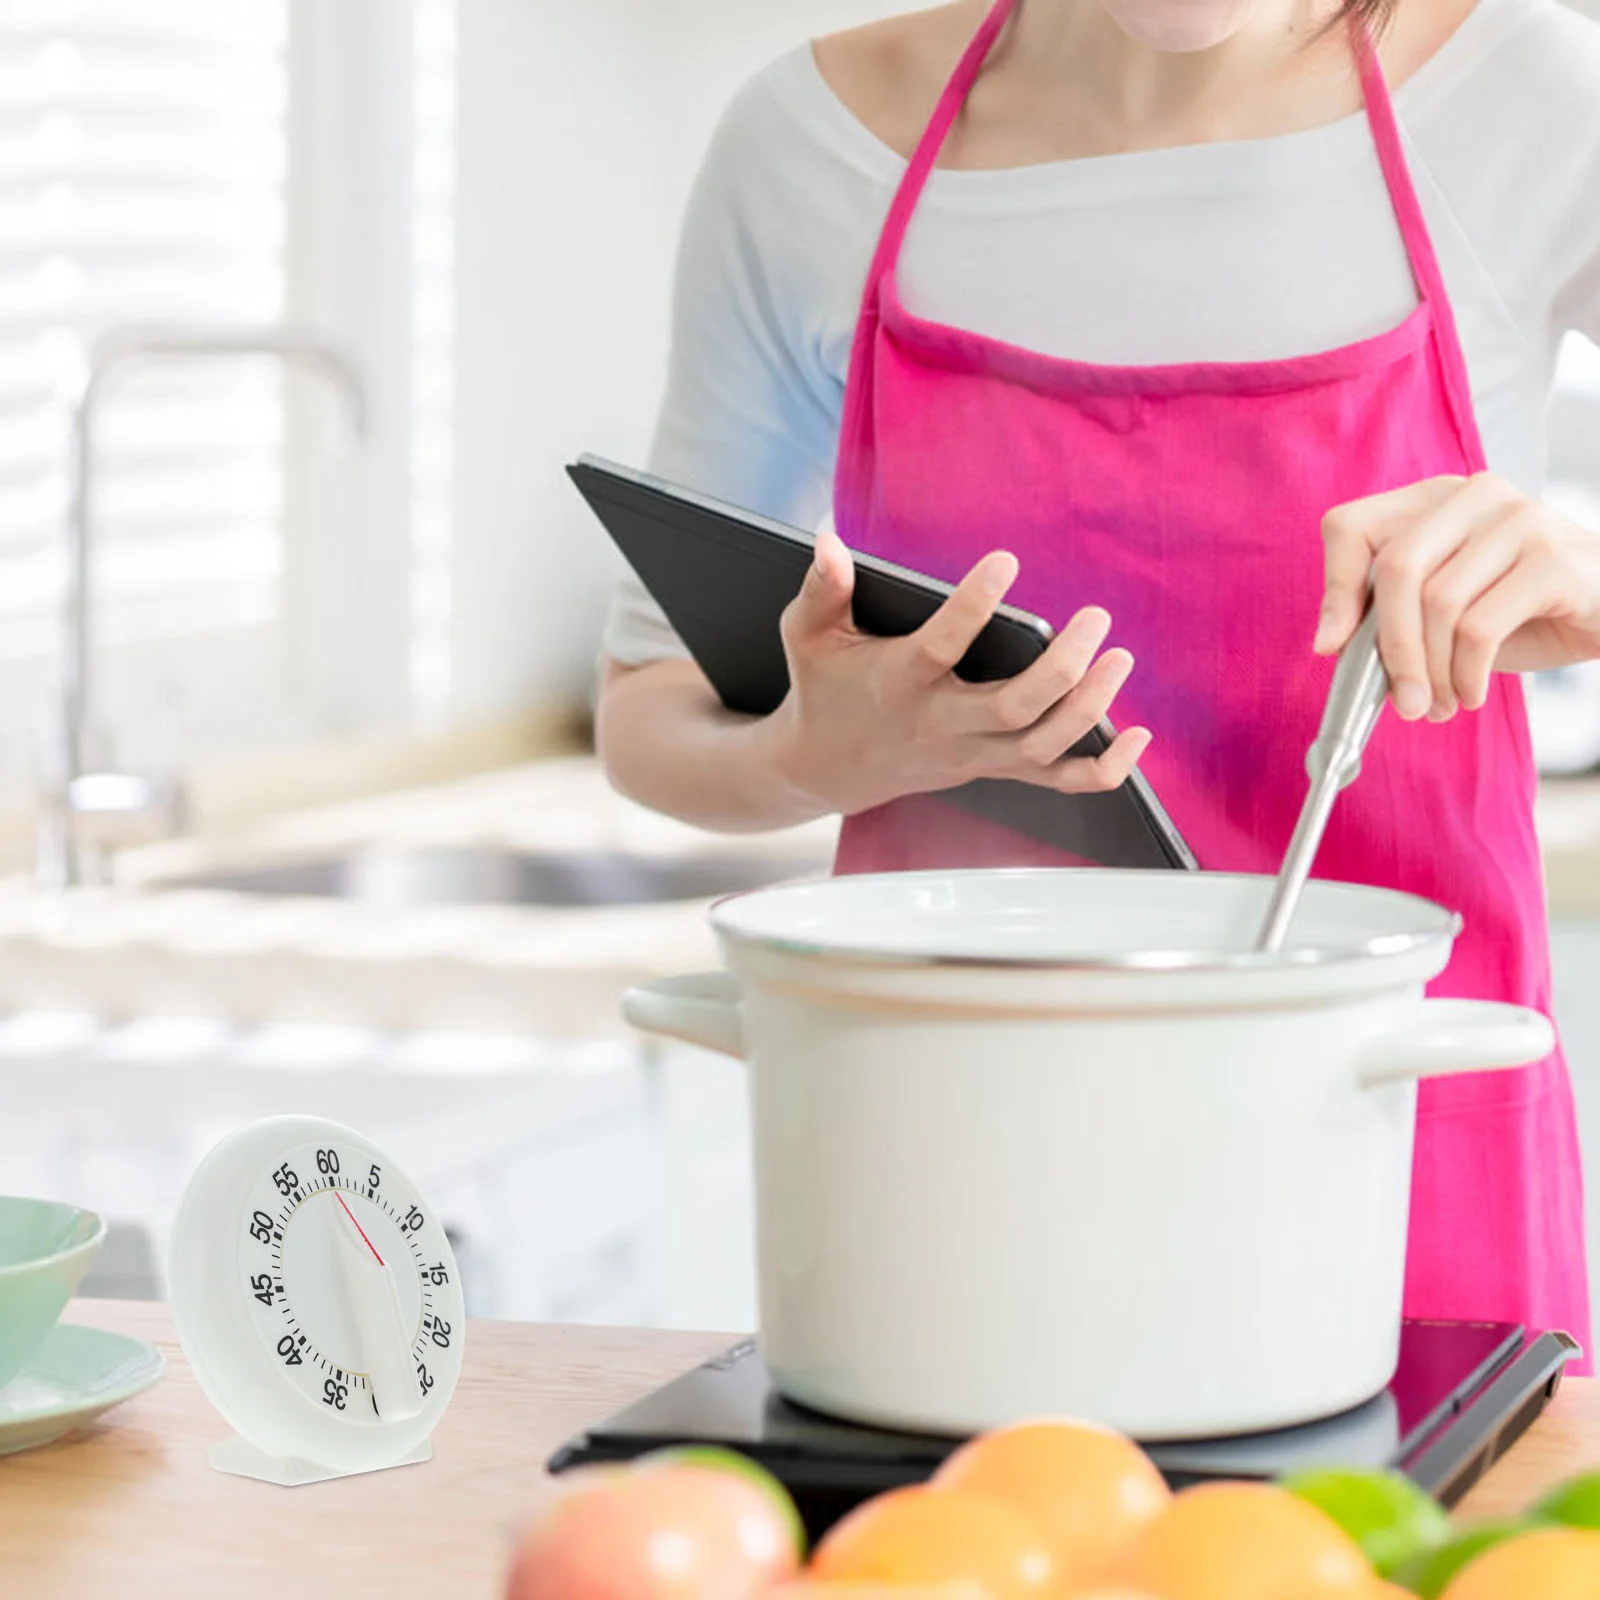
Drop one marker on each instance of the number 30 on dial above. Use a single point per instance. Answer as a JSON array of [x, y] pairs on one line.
[[318, 1301]]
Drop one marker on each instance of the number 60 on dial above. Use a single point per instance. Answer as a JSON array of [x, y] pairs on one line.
[[317, 1300]]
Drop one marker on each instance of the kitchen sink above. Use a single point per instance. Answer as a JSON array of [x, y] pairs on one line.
[[471, 875]]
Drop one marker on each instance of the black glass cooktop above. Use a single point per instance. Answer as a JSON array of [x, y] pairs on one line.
[[1463, 1393]]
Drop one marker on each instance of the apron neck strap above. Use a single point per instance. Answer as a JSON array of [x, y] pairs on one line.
[[1391, 156], [1390, 145], [932, 140]]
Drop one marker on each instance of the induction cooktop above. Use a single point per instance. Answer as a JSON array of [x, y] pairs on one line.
[[1463, 1393]]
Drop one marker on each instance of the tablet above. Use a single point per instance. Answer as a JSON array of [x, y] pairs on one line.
[[723, 576]]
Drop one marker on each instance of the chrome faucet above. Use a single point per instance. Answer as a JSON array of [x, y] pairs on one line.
[[84, 813]]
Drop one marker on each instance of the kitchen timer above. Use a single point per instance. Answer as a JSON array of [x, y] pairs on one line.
[[317, 1300]]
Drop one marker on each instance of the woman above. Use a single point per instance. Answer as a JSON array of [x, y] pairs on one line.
[[1206, 330]]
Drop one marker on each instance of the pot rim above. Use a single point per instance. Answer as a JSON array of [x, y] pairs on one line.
[[1446, 925]]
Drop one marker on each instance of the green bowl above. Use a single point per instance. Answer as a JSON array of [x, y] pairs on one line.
[[45, 1249]]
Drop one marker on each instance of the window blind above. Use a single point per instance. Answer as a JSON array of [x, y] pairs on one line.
[[143, 159]]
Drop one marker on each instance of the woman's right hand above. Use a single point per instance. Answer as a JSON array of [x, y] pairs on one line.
[[867, 719]]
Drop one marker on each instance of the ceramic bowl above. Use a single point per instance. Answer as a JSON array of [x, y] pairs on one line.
[[45, 1249]]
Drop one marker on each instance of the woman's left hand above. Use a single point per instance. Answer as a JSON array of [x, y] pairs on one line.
[[1469, 577]]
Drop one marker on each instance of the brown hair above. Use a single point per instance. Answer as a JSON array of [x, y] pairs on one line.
[[1375, 15]]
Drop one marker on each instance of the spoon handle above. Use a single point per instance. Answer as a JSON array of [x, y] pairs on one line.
[[1355, 701]]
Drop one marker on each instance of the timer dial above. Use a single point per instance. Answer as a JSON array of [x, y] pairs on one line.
[[317, 1297]]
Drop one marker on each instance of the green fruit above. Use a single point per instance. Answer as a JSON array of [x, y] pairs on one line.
[[1575, 1504], [1385, 1513], [718, 1459], [1429, 1574]]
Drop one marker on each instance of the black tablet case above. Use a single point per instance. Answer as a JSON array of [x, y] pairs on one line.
[[723, 577]]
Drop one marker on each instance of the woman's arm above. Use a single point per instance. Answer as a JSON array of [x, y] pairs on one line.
[[866, 719], [751, 412], [667, 742]]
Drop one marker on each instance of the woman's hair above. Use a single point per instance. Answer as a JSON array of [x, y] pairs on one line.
[[1374, 13]]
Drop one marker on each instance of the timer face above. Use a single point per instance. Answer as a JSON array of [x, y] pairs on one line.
[[317, 1299], [289, 1270]]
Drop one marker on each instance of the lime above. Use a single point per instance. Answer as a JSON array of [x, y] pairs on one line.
[[1384, 1512], [1429, 1573], [1576, 1504], [718, 1459]]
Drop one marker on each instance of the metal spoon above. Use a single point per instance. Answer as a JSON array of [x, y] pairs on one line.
[[1355, 700]]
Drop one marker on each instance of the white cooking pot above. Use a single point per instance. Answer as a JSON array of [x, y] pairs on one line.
[[1056, 1142]]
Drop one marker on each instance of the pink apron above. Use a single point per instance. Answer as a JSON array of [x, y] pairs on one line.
[[1188, 501]]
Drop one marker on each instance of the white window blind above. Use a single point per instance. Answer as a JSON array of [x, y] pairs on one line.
[[143, 160]]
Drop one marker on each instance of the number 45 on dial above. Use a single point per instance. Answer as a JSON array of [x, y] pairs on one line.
[[317, 1300]]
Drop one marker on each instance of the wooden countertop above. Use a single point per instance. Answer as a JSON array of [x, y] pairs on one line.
[[130, 1506]]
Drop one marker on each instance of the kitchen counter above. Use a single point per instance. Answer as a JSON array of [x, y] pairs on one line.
[[156, 945], [130, 1507], [151, 946]]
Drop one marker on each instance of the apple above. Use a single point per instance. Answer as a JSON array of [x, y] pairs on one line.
[[675, 1533]]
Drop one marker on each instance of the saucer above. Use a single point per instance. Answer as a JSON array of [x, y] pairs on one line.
[[74, 1376]]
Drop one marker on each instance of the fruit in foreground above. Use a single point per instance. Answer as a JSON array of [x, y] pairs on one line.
[[720, 1460], [1384, 1512], [1576, 1504], [931, 1535], [1245, 1541], [1428, 1575], [806, 1589], [1118, 1593], [1088, 1490], [1546, 1564], [680, 1533]]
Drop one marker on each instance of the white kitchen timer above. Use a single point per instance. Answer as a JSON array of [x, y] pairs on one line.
[[318, 1302]]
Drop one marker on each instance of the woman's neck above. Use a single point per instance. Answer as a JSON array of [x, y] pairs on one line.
[[1065, 80], [1084, 51], [1281, 68]]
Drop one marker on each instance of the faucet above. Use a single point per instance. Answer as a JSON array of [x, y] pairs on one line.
[[84, 813]]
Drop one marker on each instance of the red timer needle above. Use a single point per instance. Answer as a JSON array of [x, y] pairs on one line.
[[359, 1229]]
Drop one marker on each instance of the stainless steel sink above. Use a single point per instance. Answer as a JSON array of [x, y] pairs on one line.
[[488, 876]]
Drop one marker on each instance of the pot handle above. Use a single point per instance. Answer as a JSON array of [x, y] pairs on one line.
[[702, 1008], [1446, 1036]]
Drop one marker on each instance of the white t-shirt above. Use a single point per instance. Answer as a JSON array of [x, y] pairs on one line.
[[1240, 251]]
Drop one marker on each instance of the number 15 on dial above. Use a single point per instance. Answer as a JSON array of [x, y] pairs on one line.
[[317, 1300]]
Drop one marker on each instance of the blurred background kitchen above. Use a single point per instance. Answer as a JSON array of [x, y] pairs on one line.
[[296, 647]]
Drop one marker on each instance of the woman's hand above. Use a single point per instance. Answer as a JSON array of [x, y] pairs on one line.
[[868, 720], [1469, 577]]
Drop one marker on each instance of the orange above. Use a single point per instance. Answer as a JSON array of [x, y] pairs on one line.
[[1378, 1590], [1550, 1563], [1245, 1541], [849, 1589], [1087, 1489], [930, 1535], [1119, 1593]]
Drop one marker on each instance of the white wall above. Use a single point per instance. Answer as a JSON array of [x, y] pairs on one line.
[[580, 128]]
